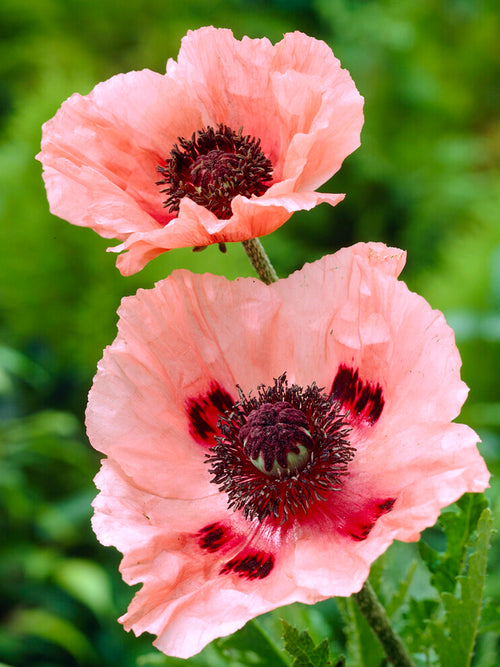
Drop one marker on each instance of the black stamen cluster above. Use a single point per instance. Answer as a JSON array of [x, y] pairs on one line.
[[281, 496], [214, 166]]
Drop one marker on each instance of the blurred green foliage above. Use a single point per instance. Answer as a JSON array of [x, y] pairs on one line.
[[425, 178]]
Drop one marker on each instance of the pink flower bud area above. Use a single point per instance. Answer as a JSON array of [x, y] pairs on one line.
[[265, 444]]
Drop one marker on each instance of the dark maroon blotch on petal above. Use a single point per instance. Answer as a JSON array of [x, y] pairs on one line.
[[363, 399], [203, 412], [387, 505], [257, 565], [361, 524], [213, 537]]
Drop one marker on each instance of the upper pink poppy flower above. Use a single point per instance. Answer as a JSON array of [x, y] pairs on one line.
[[232, 489], [235, 137]]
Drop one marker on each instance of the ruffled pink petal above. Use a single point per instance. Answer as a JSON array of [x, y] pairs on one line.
[[307, 93], [373, 323], [436, 465], [230, 79], [429, 468], [100, 152], [198, 226], [180, 578], [275, 93]]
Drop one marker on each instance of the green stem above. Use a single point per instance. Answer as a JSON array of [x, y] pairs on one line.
[[260, 261], [380, 624]]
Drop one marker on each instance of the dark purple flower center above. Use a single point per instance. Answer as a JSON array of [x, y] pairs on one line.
[[280, 451], [276, 438], [214, 166]]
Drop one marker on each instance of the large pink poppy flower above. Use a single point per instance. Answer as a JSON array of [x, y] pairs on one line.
[[235, 137], [228, 500]]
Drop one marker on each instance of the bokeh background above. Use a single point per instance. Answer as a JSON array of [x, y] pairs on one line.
[[425, 179]]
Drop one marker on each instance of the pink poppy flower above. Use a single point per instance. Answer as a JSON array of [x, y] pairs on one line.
[[235, 137], [232, 488]]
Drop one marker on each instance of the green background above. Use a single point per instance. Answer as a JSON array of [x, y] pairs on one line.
[[425, 179]]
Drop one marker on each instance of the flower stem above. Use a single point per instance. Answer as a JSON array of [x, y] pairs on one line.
[[260, 261], [378, 620]]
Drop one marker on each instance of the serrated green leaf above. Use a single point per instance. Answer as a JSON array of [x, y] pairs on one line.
[[351, 629], [458, 525], [454, 642], [298, 644], [252, 640], [301, 647]]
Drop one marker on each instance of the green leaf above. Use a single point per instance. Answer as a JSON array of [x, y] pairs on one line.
[[400, 595], [52, 628], [19, 365], [160, 660], [376, 573], [458, 525], [301, 647], [251, 645], [416, 632], [87, 581], [454, 642], [363, 649], [209, 657], [490, 617]]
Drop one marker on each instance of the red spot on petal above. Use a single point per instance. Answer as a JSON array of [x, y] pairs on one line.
[[364, 400], [255, 565], [213, 537], [203, 412], [361, 524]]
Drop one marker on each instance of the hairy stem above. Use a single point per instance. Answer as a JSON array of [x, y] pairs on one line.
[[379, 622], [260, 261]]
